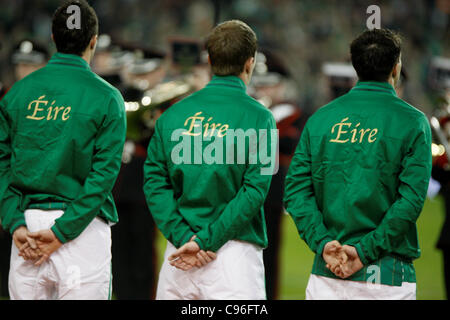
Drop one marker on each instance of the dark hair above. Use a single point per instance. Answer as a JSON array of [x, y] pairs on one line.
[[230, 45], [74, 41], [374, 54]]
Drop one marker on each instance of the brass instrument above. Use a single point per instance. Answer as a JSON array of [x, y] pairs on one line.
[[440, 126], [141, 114]]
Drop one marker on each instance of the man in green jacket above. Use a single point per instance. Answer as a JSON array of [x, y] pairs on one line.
[[208, 171], [62, 130], [358, 182]]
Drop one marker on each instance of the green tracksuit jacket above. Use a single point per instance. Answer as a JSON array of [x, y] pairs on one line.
[[62, 131], [208, 196], [360, 175]]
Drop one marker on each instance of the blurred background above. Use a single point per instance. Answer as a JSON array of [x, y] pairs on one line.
[[152, 51]]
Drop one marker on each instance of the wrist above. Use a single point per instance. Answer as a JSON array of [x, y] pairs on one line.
[[322, 244], [16, 226], [196, 245], [56, 238], [19, 229]]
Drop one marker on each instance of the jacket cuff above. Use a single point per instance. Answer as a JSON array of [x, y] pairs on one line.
[[19, 223], [200, 243], [186, 238], [361, 254], [202, 239], [58, 234]]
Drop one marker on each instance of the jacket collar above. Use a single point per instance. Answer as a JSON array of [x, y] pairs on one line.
[[69, 59], [375, 86], [227, 81]]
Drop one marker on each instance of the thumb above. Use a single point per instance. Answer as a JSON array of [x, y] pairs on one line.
[[350, 251], [176, 255], [336, 244], [342, 255], [173, 257], [32, 242], [34, 235]]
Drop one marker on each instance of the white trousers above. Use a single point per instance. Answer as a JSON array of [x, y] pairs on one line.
[[79, 270], [324, 288], [236, 274]]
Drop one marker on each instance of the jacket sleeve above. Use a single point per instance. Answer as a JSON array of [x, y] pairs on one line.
[[11, 215], [299, 198], [106, 163], [160, 196], [250, 198], [403, 214]]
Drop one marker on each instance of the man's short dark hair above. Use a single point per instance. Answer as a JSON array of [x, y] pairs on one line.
[[229, 46], [74, 41], [374, 54]]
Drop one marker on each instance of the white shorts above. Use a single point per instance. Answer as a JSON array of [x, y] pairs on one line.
[[79, 270], [236, 274], [324, 288]]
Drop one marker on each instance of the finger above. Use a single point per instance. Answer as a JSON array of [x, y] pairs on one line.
[[338, 271], [41, 260], [180, 264], [183, 266], [344, 258], [187, 268], [212, 255], [174, 256], [343, 274], [177, 264], [39, 252], [31, 254], [28, 254], [349, 250], [332, 249], [340, 274], [334, 268], [175, 261], [34, 235], [189, 262], [18, 243], [345, 271], [201, 259], [32, 243], [205, 256], [24, 246], [193, 262], [335, 244]]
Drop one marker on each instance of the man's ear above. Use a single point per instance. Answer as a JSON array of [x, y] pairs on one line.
[[93, 42], [248, 67], [396, 70]]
